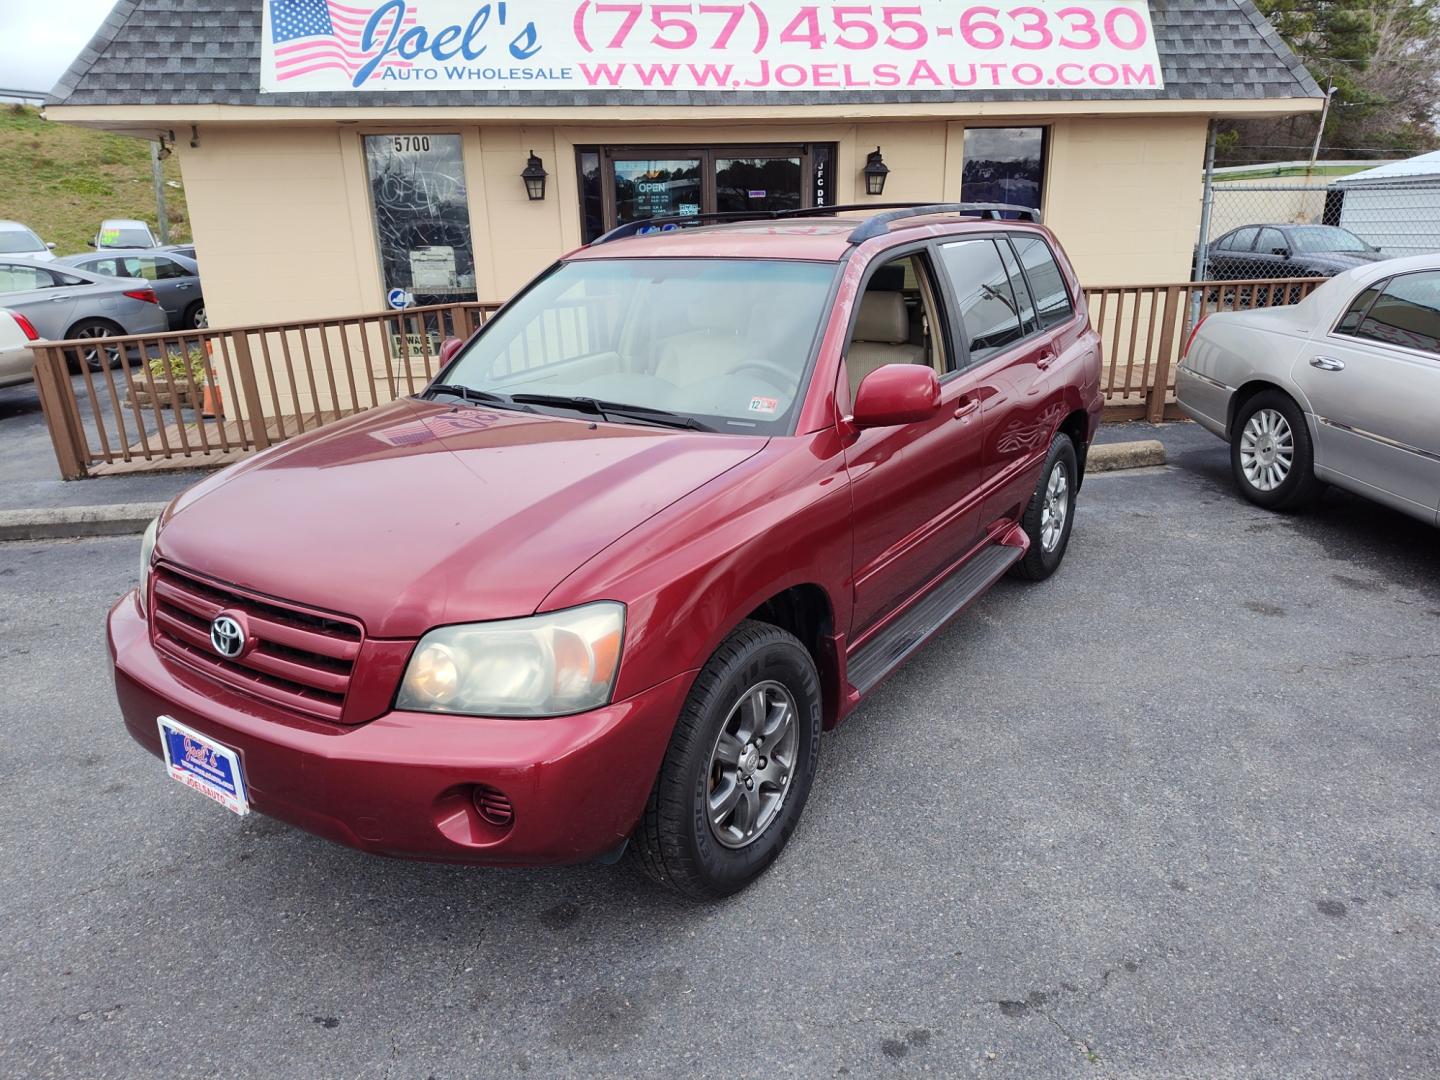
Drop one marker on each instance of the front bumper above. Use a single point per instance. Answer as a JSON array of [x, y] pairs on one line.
[[401, 784]]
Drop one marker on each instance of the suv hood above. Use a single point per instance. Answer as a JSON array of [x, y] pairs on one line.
[[419, 514]]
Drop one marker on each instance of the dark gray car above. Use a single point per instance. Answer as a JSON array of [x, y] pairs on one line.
[[64, 302], [174, 277]]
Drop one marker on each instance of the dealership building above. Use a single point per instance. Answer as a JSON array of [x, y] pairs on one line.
[[337, 157]]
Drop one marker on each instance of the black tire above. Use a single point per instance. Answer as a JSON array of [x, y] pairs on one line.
[[97, 328], [675, 843], [1041, 561], [194, 317], [1300, 487]]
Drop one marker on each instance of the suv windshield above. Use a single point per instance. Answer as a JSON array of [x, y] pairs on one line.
[[15, 241], [1326, 238], [725, 342]]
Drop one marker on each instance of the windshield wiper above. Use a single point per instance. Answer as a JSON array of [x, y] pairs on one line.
[[471, 395], [607, 409]]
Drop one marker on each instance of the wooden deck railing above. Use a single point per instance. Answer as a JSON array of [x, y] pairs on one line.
[[206, 397], [1143, 330]]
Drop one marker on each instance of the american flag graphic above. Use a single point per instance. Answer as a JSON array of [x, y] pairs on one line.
[[310, 35]]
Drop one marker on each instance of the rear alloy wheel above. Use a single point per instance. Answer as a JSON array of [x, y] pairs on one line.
[[1271, 454], [97, 357], [1051, 513], [738, 769], [195, 316]]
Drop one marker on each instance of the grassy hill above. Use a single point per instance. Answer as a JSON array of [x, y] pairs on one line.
[[62, 181]]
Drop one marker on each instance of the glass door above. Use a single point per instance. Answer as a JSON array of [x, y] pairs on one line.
[[623, 184], [758, 181], [656, 187]]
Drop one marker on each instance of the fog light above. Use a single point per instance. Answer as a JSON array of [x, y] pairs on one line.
[[492, 805]]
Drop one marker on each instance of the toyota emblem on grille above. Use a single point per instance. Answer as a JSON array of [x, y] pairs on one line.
[[227, 635]]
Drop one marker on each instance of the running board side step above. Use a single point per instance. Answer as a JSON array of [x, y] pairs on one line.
[[893, 645]]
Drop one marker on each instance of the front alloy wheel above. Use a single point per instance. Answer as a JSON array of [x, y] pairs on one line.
[[751, 764], [738, 768]]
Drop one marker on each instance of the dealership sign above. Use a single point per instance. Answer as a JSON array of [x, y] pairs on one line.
[[928, 45]]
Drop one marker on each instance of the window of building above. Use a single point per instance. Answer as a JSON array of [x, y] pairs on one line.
[[592, 199], [1005, 165], [422, 216]]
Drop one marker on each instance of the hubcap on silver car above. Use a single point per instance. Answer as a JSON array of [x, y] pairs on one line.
[[1267, 449], [751, 764], [92, 356], [1055, 509]]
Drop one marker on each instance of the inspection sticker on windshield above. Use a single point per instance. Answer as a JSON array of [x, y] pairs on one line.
[[764, 404], [203, 765]]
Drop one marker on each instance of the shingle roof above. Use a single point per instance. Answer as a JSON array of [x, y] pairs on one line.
[[201, 52]]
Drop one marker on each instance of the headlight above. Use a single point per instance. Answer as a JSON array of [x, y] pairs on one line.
[[546, 665], [147, 548]]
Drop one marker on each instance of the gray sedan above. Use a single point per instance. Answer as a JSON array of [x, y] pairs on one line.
[[64, 302], [174, 277], [1341, 388]]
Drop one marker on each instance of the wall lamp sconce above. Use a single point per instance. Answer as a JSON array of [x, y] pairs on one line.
[[875, 172], [534, 177]]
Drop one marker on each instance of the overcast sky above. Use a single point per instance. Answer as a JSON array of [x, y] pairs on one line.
[[39, 38]]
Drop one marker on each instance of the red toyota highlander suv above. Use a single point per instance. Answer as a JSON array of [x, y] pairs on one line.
[[677, 508]]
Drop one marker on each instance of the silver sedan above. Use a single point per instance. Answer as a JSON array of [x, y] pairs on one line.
[[65, 302], [1341, 388]]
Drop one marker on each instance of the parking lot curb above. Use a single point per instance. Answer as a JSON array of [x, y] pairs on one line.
[[1112, 457], [62, 523]]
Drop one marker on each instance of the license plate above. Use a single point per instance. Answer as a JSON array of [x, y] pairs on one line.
[[204, 765]]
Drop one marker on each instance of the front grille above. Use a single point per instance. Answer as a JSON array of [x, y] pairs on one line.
[[299, 659]]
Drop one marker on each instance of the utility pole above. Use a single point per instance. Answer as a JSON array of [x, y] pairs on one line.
[[158, 173], [1320, 131]]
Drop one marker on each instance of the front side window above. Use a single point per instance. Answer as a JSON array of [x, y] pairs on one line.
[[422, 216], [988, 308], [1005, 165], [1271, 242], [896, 321], [1405, 313], [1052, 296], [19, 241], [725, 342]]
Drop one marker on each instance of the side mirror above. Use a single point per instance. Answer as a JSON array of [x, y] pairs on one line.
[[51, 247], [896, 394], [449, 348]]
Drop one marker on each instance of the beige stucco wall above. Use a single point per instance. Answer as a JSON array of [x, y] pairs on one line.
[[282, 218]]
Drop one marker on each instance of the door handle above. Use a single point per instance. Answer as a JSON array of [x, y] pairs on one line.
[[968, 407], [1327, 363], [184, 286], [58, 299], [1046, 359]]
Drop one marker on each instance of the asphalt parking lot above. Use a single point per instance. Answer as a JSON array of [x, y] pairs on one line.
[[1172, 813]]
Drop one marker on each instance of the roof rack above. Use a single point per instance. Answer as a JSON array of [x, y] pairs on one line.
[[876, 225], [880, 223]]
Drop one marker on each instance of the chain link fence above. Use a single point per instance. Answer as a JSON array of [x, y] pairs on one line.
[[1315, 228]]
